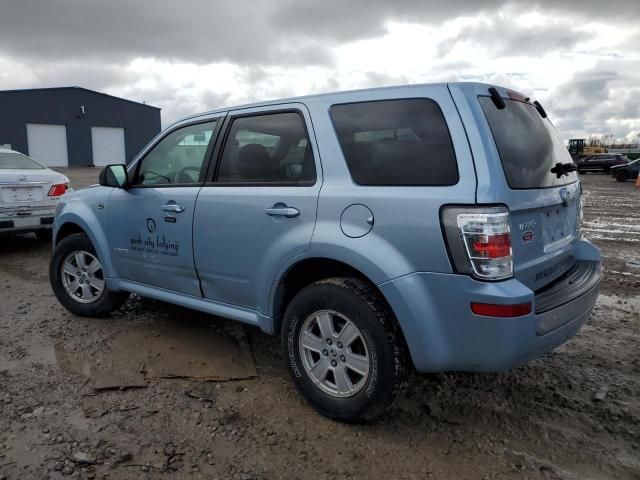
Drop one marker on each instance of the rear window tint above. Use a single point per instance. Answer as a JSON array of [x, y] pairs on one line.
[[396, 142], [529, 145], [268, 149]]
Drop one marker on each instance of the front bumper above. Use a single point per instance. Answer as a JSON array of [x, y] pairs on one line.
[[444, 335]]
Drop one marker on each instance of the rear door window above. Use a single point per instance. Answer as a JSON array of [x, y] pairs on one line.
[[396, 142], [529, 145], [268, 149]]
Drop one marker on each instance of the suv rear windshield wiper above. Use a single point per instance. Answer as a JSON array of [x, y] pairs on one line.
[[561, 169]]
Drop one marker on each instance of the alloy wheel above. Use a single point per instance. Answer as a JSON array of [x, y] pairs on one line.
[[82, 276], [334, 353]]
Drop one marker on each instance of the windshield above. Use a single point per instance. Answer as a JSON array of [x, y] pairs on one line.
[[17, 161], [529, 145]]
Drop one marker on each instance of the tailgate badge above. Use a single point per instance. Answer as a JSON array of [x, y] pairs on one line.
[[527, 236], [527, 229], [530, 225]]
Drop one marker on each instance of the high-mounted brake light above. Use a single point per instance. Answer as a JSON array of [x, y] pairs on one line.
[[479, 241], [517, 96], [58, 189]]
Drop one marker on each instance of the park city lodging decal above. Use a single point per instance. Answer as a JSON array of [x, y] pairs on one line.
[[154, 243]]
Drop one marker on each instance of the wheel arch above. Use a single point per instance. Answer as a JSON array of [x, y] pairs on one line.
[[66, 229], [304, 272], [70, 223]]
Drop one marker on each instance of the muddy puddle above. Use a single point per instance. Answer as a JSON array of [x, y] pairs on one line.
[[135, 356]]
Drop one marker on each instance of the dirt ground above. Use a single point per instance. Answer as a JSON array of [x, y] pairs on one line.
[[573, 414]]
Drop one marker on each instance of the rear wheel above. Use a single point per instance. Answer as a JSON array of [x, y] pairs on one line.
[[622, 176], [344, 348], [78, 281]]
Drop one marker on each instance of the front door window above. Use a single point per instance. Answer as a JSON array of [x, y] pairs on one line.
[[178, 158]]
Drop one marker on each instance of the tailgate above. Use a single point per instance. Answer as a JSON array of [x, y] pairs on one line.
[[543, 236], [522, 163]]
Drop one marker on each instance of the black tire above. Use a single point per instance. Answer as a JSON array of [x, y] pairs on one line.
[[622, 176], [388, 359], [104, 304], [44, 235]]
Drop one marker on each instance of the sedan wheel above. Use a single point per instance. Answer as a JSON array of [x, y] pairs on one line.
[[82, 276]]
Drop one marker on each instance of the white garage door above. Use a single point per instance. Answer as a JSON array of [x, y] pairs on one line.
[[108, 146], [48, 144]]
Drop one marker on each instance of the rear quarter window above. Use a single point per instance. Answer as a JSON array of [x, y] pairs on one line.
[[396, 142]]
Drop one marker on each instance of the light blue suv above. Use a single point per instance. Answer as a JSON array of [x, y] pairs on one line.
[[427, 226]]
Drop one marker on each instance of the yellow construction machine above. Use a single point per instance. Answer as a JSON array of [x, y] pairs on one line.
[[580, 148]]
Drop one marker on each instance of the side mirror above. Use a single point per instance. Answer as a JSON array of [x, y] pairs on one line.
[[114, 176]]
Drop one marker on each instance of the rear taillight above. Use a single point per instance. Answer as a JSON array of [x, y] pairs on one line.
[[58, 189], [491, 246], [479, 241]]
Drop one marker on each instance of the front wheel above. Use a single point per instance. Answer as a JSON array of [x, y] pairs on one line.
[[344, 349], [78, 281], [622, 176]]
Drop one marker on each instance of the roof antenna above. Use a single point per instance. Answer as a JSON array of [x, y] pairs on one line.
[[498, 101]]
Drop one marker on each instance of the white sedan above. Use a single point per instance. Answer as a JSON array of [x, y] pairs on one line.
[[29, 193]]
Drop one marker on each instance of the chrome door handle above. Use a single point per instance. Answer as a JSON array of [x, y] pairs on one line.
[[282, 211], [173, 207]]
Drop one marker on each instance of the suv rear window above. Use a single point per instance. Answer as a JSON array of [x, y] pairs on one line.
[[529, 145], [396, 142]]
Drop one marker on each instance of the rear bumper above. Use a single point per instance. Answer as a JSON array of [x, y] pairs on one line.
[[27, 220], [444, 335]]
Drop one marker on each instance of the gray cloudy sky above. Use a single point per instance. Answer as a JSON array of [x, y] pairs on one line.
[[580, 58]]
